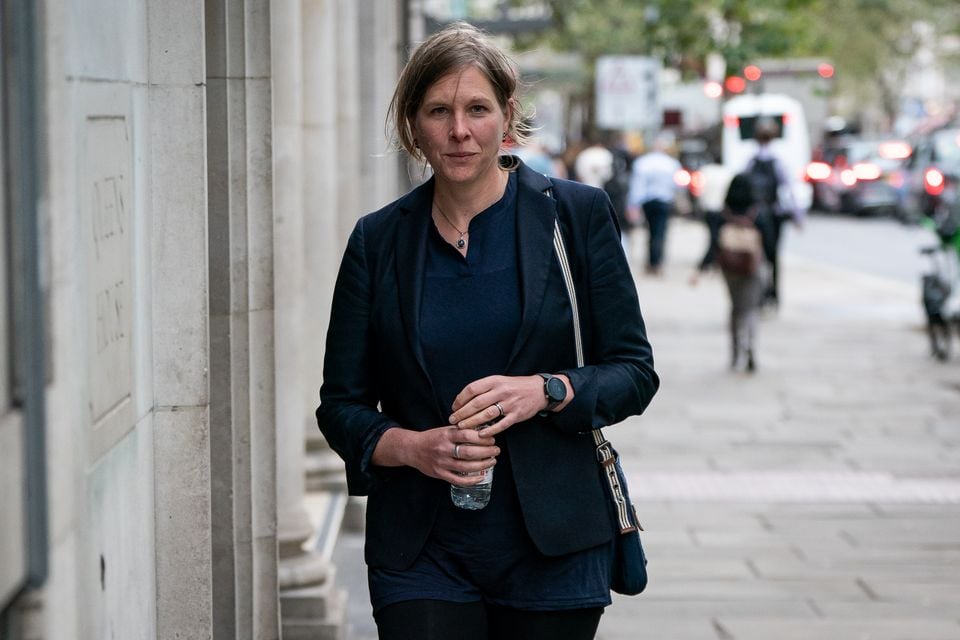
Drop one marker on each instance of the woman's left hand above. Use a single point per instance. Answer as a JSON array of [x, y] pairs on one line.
[[501, 402]]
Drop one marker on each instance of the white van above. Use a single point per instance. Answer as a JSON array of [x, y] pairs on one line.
[[792, 146]]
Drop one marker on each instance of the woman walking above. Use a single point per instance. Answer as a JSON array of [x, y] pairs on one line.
[[745, 270], [450, 353]]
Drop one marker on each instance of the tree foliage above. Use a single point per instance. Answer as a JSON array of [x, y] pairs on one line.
[[872, 43], [681, 32]]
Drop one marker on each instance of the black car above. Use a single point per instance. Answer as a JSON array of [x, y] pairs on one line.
[[859, 175], [932, 173]]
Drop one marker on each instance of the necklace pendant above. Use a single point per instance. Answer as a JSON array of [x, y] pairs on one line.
[[460, 243]]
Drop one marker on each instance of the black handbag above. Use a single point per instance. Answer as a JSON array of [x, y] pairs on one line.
[[630, 563]]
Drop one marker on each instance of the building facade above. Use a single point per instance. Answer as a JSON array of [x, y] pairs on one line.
[[180, 177]]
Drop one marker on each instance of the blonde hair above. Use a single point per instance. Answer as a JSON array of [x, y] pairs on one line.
[[455, 47]]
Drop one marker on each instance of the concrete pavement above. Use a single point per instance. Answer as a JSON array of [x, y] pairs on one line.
[[818, 498]]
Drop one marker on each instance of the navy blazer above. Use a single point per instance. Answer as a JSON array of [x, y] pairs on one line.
[[375, 375]]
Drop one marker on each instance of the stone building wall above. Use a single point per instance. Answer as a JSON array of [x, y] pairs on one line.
[[202, 163]]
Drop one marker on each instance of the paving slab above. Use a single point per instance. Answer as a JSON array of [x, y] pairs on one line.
[[866, 629], [827, 448]]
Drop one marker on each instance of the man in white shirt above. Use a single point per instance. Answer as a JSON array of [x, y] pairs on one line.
[[653, 188]]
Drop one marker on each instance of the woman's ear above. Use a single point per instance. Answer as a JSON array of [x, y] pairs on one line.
[[413, 133], [509, 111]]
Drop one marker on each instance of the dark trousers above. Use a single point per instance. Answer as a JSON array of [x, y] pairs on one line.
[[657, 213], [438, 620], [714, 220], [771, 228]]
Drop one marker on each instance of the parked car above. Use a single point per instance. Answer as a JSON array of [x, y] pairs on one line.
[[860, 176], [932, 174]]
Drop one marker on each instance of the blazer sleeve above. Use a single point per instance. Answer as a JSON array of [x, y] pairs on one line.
[[618, 378], [348, 415]]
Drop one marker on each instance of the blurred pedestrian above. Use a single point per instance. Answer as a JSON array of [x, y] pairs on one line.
[[535, 156], [773, 192], [714, 182], [594, 164], [451, 348], [653, 188], [617, 185], [744, 267]]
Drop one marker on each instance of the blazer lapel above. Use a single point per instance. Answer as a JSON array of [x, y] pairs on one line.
[[411, 252], [536, 213]]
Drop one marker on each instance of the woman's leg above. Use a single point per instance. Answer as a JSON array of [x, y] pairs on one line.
[[756, 287], [741, 301], [714, 220], [656, 213], [432, 620], [515, 624]]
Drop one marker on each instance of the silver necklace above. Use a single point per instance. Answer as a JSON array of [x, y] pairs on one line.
[[461, 243]]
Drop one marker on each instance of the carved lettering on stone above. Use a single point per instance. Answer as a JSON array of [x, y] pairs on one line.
[[106, 174]]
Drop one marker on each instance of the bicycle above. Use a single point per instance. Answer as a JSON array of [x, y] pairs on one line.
[[940, 286]]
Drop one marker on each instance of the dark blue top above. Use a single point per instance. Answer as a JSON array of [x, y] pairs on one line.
[[470, 311], [470, 316]]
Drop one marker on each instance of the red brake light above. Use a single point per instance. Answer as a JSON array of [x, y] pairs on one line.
[[848, 177], [866, 171], [682, 178], [933, 182], [731, 121], [817, 171], [735, 84]]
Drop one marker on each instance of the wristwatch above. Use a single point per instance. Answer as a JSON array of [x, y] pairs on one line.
[[554, 390]]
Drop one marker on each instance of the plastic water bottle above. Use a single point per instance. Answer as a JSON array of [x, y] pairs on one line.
[[476, 496]]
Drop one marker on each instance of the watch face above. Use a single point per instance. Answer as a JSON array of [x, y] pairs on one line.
[[556, 389]]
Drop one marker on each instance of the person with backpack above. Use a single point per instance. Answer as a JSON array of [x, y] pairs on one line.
[[774, 201], [742, 260]]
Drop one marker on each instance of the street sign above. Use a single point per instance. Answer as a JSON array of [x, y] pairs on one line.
[[627, 92]]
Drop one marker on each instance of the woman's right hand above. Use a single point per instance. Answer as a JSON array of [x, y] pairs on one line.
[[445, 453]]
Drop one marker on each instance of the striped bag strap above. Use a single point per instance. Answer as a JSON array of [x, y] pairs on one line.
[[605, 454]]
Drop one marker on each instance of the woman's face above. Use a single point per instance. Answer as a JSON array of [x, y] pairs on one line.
[[459, 127]]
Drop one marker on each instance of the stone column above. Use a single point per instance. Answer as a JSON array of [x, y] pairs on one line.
[[328, 165], [261, 213], [311, 608], [334, 118], [369, 36], [178, 220], [239, 195], [379, 43], [347, 129], [225, 336]]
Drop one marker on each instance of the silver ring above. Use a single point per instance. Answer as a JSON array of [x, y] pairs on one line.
[[499, 408], [456, 451]]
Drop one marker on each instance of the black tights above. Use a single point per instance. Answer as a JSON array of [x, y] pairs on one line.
[[438, 620]]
